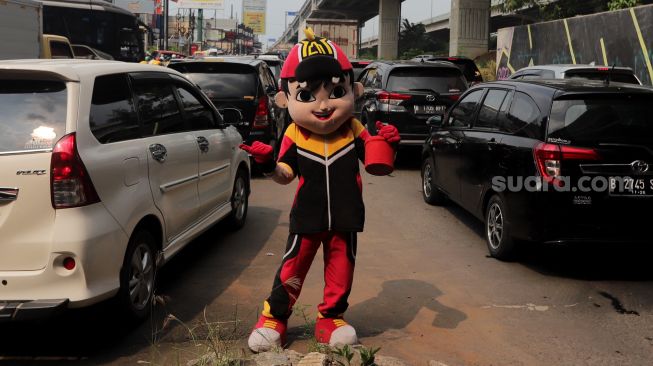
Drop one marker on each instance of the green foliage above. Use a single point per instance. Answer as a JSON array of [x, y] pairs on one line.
[[547, 10], [413, 38], [622, 4], [408, 54], [368, 54], [367, 356], [346, 353]]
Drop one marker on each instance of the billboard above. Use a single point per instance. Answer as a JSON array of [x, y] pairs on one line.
[[254, 15], [136, 6], [220, 23], [201, 4]]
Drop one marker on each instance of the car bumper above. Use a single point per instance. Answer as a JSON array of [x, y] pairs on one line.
[[97, 243], [30, 310], [554, 218]]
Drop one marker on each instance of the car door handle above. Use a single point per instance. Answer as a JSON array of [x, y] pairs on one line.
[[158, 152], [492, 143], [203, 144]]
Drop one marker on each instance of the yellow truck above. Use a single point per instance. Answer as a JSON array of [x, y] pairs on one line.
[[21, 33]]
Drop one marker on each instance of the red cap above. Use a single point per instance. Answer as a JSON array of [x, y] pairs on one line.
[[316, 49]]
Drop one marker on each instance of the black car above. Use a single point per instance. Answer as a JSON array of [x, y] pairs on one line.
[[359, 66], [406, 93], [467, 66], [555, 161], [245, 84]]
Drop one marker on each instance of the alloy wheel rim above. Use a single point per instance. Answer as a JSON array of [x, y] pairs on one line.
[[495, 224], [427, 180], [240, 198], [141, 281]]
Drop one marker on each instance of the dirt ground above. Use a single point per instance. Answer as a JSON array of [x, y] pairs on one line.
[[424, 289]]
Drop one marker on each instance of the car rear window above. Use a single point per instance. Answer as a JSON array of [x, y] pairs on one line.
[[436, 79], [616, 76], [60, 50], [468, 67], [33, 114], [275, 66], [221, 80], [602, 119]]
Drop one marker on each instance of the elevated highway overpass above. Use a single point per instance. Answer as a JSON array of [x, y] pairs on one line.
[[467, 27], [469, 22]]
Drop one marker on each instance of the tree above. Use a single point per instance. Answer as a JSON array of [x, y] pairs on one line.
[[622, 4], [548, 10], [413, 37]]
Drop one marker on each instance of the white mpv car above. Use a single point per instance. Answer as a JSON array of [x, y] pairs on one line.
[[107, 169]]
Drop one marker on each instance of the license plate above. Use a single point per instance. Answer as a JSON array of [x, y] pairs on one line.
[[429, 109], [627, 186]]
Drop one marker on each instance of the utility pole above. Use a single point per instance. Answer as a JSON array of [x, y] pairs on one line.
[[200, 18], [165, 24]]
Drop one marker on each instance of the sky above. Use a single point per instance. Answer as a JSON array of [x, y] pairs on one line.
[[413, 10]]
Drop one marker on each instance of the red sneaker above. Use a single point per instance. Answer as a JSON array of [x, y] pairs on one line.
[[267, 334], [335, 331]]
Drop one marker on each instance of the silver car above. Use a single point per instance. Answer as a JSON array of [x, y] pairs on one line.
[[108, 170], [587, 72]]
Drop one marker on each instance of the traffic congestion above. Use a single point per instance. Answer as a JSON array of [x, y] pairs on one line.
[[138, 187]]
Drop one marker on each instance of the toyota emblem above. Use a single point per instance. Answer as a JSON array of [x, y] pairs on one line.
[[430, 98], [639, 166]]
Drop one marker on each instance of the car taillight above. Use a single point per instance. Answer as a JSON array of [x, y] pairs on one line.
[[389, 102], [261, 116], [549, 158], [454, 97], [70, 184]]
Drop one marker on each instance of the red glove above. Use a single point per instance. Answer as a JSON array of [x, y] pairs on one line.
[[388, 132], [261, 152]]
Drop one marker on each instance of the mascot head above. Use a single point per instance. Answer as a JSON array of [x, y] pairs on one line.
[[317, 85]]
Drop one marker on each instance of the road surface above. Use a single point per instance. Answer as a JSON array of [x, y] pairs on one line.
[[424, 289]]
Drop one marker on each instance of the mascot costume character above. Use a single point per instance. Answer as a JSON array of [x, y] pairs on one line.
[[322, 147]]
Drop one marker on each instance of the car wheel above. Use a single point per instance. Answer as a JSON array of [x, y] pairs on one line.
[[239, 200], [431, 194], [138, 275], [497, 230]]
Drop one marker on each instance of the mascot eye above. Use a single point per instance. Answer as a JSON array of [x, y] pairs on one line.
[[338, 92], [305, 96]]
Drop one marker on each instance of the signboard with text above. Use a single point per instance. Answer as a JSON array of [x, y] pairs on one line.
[[201, 4], [136, 6], [254, 15]]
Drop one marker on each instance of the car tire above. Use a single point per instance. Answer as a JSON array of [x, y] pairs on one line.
[[431, 194], [138, 276], [239, 200], [498, 237]]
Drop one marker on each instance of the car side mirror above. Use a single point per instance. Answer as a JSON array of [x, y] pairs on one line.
[[435, 122], [232, 116]]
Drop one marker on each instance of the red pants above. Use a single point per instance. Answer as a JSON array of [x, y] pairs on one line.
[[339, 258]]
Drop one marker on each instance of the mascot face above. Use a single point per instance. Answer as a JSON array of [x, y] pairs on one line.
[[317, 86], [320, 106]]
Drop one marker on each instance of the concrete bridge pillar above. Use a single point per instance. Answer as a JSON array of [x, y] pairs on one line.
[[470, 27], [389, 21]]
